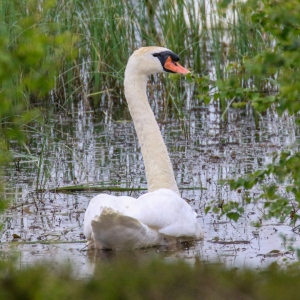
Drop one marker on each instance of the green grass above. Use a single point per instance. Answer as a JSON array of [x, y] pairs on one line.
[[123, 279], [207, 38]]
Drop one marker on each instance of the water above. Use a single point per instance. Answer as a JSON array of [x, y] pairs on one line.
[[85, 147]]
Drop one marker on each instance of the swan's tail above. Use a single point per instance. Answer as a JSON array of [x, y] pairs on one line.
[[112, 230]]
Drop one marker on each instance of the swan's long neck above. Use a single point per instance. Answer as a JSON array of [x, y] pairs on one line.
[[159, 171]]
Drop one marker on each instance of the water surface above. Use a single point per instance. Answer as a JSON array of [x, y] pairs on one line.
[[84, 146]]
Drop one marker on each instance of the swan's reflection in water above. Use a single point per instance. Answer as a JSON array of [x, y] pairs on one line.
[[187, 251]]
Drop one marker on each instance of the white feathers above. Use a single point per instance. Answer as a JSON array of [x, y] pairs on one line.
[[128, 223]]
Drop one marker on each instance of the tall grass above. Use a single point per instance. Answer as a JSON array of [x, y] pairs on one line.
[[207, 38]]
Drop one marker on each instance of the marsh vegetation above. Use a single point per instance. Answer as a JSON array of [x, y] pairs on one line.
[[231, 128]]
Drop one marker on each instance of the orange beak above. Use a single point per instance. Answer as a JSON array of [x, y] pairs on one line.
[[175, 67]]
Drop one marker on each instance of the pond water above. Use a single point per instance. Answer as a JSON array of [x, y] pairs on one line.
[[80, 146]]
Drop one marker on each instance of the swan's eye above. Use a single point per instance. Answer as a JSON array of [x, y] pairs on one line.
[[155, 54]]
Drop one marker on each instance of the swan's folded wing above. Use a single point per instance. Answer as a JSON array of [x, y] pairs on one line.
[[167, 212], [113, 230], [96, 205]]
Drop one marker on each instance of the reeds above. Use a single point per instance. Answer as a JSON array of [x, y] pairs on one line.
[[207, 37]]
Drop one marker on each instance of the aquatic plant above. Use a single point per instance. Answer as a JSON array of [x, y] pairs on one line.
[[278, 67], [30, 52], [152, 279], [212, 41]]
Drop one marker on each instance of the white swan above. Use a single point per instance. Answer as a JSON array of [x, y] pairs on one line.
[[160, 215]]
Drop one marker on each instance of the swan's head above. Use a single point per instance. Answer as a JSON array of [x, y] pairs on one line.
[[150, 60]]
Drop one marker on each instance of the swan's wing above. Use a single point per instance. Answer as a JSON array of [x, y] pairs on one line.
[[113, 230], [164, 210], [96, 205]]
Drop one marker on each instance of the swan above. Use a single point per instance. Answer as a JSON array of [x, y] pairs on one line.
[[160, 216]]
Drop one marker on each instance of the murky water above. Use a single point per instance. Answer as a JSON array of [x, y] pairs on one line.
[[80, 147]]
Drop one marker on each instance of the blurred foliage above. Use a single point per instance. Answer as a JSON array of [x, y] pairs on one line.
[[271, 75], [233, 210], [150, 280], [280, 19], [285, 172], [29, 64], [278, 68]]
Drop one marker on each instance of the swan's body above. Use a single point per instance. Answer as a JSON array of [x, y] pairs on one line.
[[160, 215]]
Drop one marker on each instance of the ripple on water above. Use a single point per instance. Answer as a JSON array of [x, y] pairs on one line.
[[203, 148]]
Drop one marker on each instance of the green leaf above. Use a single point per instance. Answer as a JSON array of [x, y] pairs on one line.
[[233, 216], [207, 209]]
